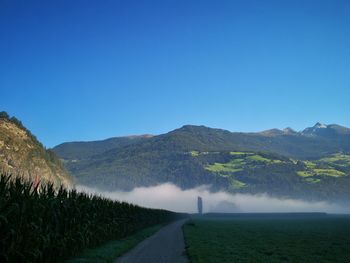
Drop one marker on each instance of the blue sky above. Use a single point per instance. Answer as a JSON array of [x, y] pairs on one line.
[[85, 70]]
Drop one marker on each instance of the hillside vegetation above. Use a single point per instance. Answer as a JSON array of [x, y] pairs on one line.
[[84, 150], [21, 154], [311, 164]]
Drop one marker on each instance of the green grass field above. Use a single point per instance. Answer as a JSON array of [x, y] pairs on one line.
[[268, 238], [328, 166]]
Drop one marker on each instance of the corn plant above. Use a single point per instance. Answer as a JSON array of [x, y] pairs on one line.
[[49, 225]]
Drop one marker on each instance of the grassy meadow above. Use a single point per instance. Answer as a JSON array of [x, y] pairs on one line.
[[268, 238]]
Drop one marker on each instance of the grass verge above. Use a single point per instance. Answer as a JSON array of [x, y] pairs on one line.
[[108, 252]]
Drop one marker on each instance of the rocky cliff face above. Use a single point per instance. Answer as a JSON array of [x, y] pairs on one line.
[[21, 154]]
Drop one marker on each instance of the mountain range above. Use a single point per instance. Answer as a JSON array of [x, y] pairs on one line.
[[313, 164]]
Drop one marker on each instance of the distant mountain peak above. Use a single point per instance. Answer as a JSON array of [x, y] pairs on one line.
[[289, 130], [272, 132], [324, 130], [197, 129], [191, 127], [277, 132], [319, 125]]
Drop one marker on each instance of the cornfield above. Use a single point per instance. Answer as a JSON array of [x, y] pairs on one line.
[[48, 225]]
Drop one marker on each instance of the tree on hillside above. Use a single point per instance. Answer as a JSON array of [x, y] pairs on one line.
[[4, 115]]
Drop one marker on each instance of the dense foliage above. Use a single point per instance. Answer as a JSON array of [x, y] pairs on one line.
[[44, 225], [196, 155], [230, 171], [269, 238], [201, 138]]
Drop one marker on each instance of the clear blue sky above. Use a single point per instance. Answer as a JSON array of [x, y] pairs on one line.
[[84, 70]]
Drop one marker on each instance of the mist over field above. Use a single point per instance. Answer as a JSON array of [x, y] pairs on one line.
[[169, 196]]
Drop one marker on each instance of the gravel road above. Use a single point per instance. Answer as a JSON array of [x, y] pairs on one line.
[[165, 246]]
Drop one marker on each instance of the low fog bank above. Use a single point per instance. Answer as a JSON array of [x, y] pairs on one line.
[[169, 196]]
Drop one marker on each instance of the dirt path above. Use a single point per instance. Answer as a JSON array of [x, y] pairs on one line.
[[165, 246]]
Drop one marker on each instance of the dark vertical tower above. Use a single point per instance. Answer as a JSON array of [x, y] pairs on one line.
[[200, 205]]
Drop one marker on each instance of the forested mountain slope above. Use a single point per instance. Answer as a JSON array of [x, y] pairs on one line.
[[310, 164]]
